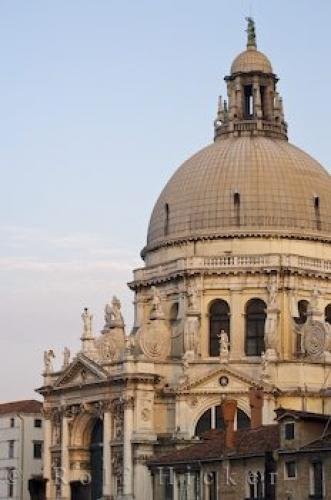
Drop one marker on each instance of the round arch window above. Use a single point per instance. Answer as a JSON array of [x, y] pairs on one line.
[[302, 310], [255, 323], [213, 419], [219, 319]]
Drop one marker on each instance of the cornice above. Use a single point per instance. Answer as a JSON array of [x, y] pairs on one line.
[[235, 233]]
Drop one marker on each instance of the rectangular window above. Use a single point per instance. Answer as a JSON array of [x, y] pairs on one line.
[[11, 448], [37, 449], [12, 422], [38, 423], [255, 485], [290, 470], [210, 485], [317, 480], [289, 430], [10, 482], [168, 485]]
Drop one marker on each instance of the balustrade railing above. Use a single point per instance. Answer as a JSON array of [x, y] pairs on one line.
[[273, 261]]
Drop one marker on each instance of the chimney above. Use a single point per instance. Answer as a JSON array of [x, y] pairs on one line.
[[229, 408], [256, 404]]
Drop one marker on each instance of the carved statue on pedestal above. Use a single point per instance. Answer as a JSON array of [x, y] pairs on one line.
[[87, 323], [271, 323], [48, 361], [113, 315], [193, 297], [191, 335], [224, 346], [272, 291], [157, 310], [66, 357]]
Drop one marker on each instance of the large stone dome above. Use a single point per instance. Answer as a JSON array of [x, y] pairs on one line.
[[251, 181], [244, 186]]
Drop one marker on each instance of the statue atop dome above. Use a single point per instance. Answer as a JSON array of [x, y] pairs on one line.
[[251, 35]]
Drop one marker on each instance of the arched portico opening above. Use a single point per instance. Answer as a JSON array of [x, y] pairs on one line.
[[87, 457], [96, 460]]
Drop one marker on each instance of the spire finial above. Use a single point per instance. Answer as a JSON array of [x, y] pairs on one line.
[[251, 36]]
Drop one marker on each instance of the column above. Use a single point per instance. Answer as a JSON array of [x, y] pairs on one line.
[[107, 472], [237, 325], [47, 465], [257, 98], [127, 449], [65, 464]]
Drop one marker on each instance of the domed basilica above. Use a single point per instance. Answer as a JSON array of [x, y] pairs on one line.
[[233, 303]]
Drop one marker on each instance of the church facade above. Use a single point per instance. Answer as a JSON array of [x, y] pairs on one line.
[[234, 297]]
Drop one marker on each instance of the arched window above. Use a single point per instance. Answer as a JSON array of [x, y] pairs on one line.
[[255, 321], [302, 309], [328, 314], [213, 419], [166, 219], [219, 319]]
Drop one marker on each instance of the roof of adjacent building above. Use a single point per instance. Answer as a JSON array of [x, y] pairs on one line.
[[25, 406], [248, 442], [301, 415], [277, 185], [322, 443]]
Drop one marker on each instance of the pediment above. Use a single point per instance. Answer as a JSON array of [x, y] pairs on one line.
[[81, 371], [210, 381]]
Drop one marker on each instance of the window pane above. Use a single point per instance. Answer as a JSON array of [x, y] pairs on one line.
[[290, 469], [289, 430], [318, 479], [219, 418], [302, 308], [204, 423], [328, 314], [255, 321]]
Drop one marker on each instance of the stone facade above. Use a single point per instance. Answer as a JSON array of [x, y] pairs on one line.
[[243, 226], [21, 447]]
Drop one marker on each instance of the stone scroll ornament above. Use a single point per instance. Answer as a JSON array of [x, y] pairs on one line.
[[154, 340], [314, 339]]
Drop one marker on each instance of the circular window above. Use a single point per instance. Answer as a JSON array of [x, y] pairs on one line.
[[224, 380]]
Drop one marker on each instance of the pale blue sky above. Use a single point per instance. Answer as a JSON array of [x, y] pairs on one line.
[[100, 100]]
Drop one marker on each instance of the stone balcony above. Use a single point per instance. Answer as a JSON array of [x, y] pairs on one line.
[[228, 264]]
